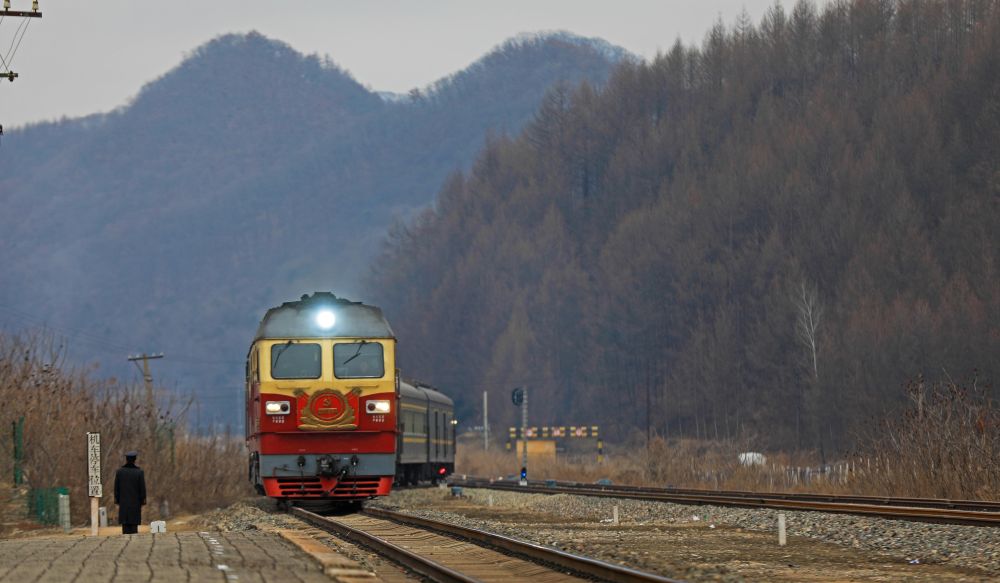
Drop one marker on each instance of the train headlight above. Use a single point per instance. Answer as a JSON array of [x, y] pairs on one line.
[[377, 407], [325, 319], [277, 407]]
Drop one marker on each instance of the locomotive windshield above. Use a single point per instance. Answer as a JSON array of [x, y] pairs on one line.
[[295, 361], [358, 360]]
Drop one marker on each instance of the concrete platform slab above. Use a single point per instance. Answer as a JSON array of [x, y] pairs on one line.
[[233, 557]]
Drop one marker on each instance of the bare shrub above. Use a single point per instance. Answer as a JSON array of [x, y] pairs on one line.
[[60, 404], [945, 444]]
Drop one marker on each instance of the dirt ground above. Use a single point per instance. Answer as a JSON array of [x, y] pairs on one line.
[[700, 550]]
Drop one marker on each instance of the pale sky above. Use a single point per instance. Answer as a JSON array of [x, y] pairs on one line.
[[85, 57]]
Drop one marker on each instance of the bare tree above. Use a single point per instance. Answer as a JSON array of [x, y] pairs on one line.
[[809, 313]]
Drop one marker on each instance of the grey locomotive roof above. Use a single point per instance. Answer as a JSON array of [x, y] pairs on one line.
[[298, 319], [423, 393]]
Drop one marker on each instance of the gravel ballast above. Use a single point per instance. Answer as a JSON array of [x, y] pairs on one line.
[[695, 543], [935, 551]]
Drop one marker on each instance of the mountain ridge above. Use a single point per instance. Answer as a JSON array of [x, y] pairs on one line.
[[243, 177]]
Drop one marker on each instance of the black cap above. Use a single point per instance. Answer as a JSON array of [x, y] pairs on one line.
[[131, 453]]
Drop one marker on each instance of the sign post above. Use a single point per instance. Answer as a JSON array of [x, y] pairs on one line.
[[94, 487]]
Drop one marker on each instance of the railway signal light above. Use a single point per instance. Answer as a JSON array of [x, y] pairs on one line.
[[524, 476]]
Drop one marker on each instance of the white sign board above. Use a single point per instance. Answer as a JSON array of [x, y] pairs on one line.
[[94, 465]]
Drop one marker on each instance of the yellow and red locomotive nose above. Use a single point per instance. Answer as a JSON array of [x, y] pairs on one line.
[[313, 367]]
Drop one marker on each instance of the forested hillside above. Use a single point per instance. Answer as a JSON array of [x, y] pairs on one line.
[[764, 236], [248, 175]]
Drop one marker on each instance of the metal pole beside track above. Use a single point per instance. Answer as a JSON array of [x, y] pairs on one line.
[[524, 429], [486, 421]]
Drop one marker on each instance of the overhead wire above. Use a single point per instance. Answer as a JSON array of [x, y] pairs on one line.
[[103, 342], [2, 60], [10, 58], [220, 399], [22, 26], [80, 335]]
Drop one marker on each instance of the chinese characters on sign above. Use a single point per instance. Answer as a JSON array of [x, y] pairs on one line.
[[556, 432], [94, 465]]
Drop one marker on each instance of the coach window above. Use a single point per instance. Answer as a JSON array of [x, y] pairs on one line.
[[444, 433], [437, 440], [295, 361], [358, 360]]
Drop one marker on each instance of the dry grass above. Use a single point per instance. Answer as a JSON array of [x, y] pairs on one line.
[[60, 405], [946, 444], [677, 462]]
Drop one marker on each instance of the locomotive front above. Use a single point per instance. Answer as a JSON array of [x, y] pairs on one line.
[[321, 401]]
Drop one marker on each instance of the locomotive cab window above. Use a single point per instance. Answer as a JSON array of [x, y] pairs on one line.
[[358, 360], [295, 361]]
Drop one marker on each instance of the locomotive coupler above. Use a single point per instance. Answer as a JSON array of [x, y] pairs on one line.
[[326, 466]]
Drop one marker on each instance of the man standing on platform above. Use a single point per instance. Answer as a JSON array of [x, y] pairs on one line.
[[130, 494]]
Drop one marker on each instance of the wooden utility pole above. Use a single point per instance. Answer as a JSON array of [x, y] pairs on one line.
[[147, 376]]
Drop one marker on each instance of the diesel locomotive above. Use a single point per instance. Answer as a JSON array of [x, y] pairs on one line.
[[327, 417]]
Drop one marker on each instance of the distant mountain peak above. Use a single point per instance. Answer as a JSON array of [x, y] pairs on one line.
[[540, 54], [613, 53], [253, 49], [213, 78]]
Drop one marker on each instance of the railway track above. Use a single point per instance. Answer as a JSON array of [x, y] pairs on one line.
[[453, 554], [968, 512]]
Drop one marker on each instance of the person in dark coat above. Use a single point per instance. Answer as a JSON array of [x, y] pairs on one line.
[[130, 494]]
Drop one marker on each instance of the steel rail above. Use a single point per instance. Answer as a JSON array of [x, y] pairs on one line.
[[948, 515], [576, 563], [419, 564], [976, 505], [585, 566]]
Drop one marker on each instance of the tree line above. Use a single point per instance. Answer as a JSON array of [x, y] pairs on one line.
[[765, 235]]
